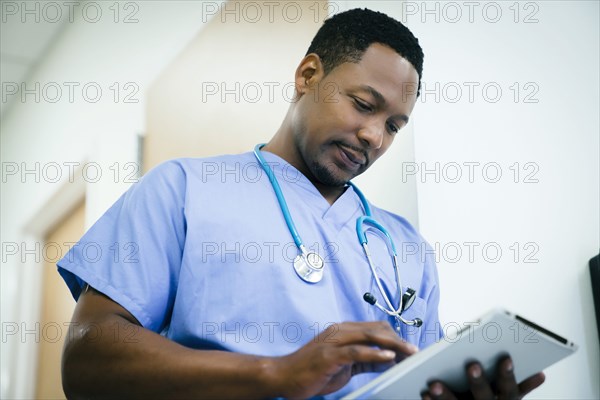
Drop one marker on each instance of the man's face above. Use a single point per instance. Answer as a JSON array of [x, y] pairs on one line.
[[348, 119]]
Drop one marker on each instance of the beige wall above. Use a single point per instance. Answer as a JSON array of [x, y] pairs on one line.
[[249, 63]]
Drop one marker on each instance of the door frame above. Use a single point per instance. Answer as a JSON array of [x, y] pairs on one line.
[[61, 203]]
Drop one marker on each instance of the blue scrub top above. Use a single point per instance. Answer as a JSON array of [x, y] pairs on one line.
[[199, 251]]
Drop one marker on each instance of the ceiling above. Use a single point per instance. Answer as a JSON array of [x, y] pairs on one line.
[[23, 43]]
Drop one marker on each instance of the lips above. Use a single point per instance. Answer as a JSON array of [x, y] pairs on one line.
[[351, 160]]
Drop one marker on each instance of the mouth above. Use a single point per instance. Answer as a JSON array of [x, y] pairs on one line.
[[351, 158]]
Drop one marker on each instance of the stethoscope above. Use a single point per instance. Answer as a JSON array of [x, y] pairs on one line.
[[309, 264]]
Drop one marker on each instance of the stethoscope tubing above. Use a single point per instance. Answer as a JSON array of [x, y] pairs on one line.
[[361, 233], [280, 198]]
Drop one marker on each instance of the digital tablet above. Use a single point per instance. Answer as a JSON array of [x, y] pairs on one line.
[[496, 334]]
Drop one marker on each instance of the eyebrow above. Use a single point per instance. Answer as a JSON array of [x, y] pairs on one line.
[[380, 99]]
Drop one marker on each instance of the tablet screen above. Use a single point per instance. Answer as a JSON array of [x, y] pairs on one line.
[[496, 334]]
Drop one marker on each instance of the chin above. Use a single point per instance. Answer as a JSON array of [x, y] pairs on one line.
[[331, 175]]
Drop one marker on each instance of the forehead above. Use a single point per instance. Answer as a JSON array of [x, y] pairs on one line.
[[382, 68]]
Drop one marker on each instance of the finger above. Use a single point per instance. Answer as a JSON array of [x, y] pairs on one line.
[[480, 388], [531, 383], [360, 368], [505, 380], [378, 333], [438, 391], [360, 354], [353, 332]]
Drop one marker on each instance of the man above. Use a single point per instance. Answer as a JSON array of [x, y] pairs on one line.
[[189, 312]]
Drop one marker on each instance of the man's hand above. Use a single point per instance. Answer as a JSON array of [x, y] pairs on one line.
[[504, 387], [328, 362]]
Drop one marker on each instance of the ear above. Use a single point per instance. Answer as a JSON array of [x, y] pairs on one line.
[[309, 72]]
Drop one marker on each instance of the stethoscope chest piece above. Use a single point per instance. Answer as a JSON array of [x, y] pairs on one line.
[[309, 267]]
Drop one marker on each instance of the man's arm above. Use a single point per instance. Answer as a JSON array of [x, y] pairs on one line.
[[100, 360]]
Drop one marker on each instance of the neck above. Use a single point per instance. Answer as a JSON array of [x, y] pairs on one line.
[[330, 193], [282, 144]]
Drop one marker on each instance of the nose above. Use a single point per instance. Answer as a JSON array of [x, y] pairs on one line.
[[371, 136]]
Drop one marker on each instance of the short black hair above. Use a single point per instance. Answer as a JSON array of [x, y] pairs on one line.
[[346, 36]]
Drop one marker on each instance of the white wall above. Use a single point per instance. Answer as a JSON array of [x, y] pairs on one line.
[[554, 220], [104, 132]]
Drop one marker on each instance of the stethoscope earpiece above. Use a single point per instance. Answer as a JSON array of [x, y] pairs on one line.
[[408, 298], [369, 298]]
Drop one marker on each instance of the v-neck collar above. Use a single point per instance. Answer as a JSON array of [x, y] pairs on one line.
[[338, 214]]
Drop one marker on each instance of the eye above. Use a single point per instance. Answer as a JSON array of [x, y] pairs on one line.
[[393, 128], [362, 105]]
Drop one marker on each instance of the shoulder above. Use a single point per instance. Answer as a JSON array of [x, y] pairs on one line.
[[397, 224], [409, 239], [412, 249], [178, 172]]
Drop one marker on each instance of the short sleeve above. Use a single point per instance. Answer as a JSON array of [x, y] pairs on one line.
[[133, 252]]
